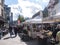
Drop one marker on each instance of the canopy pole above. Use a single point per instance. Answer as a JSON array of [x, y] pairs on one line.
[[41, 14]]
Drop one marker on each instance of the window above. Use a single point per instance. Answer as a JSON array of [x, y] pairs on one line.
[[2, 12], [59, 0], [37, 17], [54, 12]]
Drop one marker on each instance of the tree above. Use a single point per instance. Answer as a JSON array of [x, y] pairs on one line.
[[21, 18]]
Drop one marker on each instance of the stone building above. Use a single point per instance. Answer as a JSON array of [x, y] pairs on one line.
[[2, 16], [53, 8]]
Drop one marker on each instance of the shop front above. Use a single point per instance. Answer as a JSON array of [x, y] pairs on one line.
[[2, 21]]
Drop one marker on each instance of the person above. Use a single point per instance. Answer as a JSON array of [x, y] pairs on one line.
[[18, 30], [58, 38], [15, 31], [43, 40], [25, 36], [50, 27], [10, 31], [57, 29], [0, 33]]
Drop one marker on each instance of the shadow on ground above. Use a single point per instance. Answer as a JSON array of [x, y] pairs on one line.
[[8, 38], [28, 41]]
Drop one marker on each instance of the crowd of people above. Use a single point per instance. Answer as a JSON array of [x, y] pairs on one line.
[[53, 38], [15, 30]]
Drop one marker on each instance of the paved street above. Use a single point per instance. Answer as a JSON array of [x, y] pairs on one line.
[[15, 41]]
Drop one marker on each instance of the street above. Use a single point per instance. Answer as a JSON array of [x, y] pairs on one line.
[[15, 41], [29, 22]]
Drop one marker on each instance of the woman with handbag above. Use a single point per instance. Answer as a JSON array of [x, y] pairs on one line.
[[56, 34]]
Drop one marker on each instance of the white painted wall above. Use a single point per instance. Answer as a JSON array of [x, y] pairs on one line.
[[1, 7], [0, 1], [56, 9]]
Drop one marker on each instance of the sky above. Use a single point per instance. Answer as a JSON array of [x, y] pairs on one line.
[[27, 8]]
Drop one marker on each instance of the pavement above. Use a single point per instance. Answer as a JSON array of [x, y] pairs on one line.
[[6, 40]]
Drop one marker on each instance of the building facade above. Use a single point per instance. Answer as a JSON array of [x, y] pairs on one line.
[[2, 8], [56, 12], [51, 6], [56, 9], [38, 15], [45, 12], [7, 12], [2, 16]]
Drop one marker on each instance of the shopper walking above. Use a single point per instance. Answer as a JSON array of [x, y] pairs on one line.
[[10, 31], [15, 31], [55, 32], [0, 33]]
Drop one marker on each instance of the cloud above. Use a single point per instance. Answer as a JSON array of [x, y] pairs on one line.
[[27, 8], [45, 1]]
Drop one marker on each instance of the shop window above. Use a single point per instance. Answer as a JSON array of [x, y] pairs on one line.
[[1, 12]]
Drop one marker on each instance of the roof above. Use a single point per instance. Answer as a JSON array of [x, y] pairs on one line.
[[38, 13], [37, 21]]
